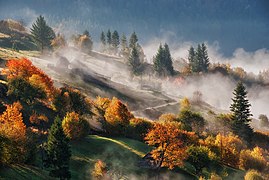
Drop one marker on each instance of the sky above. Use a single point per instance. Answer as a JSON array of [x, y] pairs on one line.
[[231, 24]]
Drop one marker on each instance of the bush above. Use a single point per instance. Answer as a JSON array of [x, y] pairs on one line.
[[252, 159], [75, 127], [100, 170], [253, 175], [138, 128], [192, 121], [199, 157]]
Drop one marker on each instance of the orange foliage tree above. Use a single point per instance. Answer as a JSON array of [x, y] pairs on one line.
[[169, 149], [75, 127], [23, 68], [117, 117]]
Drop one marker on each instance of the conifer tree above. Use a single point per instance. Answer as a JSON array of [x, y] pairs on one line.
[[157, 61], [57, 151], [103, 40], [241, 116], [134, 61], [205, 59], [191, 59], [109, 38], [133, 40], [42, 34], [168, 60], [199, 58], [115, 41], [124, 47]]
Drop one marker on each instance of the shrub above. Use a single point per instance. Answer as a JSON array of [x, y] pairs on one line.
[[252, 159], [192, 121], [99, 170], [75, 127], [138, 128], [253, 175]]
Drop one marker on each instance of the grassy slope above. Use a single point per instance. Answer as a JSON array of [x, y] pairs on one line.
[[120, 154]]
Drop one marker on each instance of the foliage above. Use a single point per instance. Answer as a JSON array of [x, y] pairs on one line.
[[85, 43], [254, 159], [124, 47], [191, 120], [12, 134], [169, 150], [23, 68], [24, 91], [185, 104], [74, 126], [57, 151], [133, 40], [100, 169], [42, 34], [117, 117], [138, 128], [168, 117], [162, 62], [58, 42], [199, 157], [103, 40], [253, 175], [264, 122], [115, 41], [240, 109], [109, 38]]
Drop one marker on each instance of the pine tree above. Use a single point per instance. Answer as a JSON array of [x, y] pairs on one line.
[[133, 40], [124, 47], [168, 60], [191, 59], [109, 38], [205, 59], [157, 61], [58, 151], [134, 61], [115, 41], [241, 116], [103, 40], [199, 59], [42, 34], [86, 33], [162, 62]]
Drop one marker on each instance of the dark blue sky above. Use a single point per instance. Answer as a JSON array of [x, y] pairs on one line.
[[233, 23]]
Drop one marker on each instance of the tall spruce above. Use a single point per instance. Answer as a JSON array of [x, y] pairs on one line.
[[109, 38], [134, 61], [124, 47], [191, 59], [115, 40], [241, 116], [57, 151], [42, 34], [133, 40], [168, 63], [205, 58], [162, 62], [103, 40]]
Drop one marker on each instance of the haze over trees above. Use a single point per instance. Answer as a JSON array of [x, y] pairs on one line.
[[198, 59]]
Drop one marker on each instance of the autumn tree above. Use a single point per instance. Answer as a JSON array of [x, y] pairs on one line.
[[185, 104], [117, 117], [85, 43], [41, 33], [58, 42], [100, 170], [12, 135], [74, 126], [57, 151], [169, 150], [241, 116]]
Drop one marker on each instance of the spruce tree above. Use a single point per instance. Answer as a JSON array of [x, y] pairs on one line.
[[103, 40], [205, 59], [191, 59], [168, 60], [42, 34], [57, 151], [198, 59], [133, 40], [109, 38], [134, 61], [124, 47], [158, 60], [241, 116], [115, 40]]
